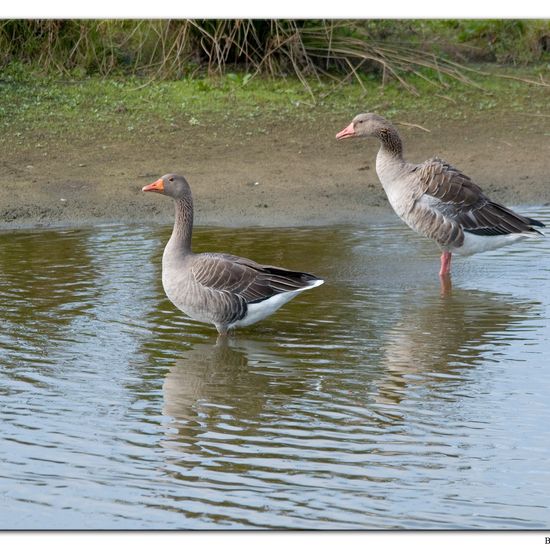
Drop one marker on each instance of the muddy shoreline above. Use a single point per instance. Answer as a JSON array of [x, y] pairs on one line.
[[289, 175]]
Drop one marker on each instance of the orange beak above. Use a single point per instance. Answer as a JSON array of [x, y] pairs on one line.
[[347, 132], [156, 186]]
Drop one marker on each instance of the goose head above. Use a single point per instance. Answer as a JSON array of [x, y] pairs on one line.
[[364, 125], [171, 185]]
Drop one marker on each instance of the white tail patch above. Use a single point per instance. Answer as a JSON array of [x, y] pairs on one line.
[[263, 309], [481, 243], [313, 284]]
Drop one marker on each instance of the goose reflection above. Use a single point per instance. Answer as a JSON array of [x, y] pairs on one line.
[[216, 389], [432, 345]]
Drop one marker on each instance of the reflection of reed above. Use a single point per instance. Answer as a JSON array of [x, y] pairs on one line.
[[434, 342], [47, 282], [44, 273]]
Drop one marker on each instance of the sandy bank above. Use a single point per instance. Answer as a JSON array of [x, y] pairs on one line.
[[289, 175]]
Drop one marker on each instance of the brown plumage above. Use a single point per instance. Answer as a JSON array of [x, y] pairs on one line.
[[225, 290], [465, 206], [437, 200]]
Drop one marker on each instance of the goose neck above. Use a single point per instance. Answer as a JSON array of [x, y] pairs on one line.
[[390, 141], [183, 225]]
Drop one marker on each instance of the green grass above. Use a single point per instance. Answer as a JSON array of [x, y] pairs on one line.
[[170, 49], [49, 108], [63, 79]]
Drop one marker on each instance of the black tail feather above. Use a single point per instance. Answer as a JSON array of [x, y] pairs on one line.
[[536, 223]]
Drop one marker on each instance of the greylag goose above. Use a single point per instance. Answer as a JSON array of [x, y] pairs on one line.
[[215, 288], [437, 200]]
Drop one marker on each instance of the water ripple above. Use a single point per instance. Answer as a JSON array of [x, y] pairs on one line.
[[371, 402]]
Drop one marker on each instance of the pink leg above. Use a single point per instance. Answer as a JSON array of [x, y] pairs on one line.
[[445, 263], [446, 284]]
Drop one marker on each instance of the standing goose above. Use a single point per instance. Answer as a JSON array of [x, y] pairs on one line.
[[437, 200], [221, 289]]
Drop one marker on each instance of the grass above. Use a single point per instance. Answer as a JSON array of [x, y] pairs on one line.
[[309, 49], [34, 106], [63, 79]]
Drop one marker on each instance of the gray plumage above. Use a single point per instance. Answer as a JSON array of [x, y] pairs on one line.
[[225, 290], [436, 199], [458, 205]]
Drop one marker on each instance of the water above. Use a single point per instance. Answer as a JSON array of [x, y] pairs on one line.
[[372, 402]]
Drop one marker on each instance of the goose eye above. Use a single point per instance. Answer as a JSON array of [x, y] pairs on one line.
[[170, 179]]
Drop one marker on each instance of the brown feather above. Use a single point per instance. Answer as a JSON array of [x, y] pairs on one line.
[[250, 281], [462, 204]]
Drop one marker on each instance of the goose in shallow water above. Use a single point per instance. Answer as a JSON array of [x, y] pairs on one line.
[[437, 200], [221, 289]]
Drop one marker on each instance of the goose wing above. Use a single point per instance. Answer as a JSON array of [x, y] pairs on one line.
[[449, 203], [246, 279]]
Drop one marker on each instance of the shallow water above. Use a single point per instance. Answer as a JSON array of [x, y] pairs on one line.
[[372, 402]]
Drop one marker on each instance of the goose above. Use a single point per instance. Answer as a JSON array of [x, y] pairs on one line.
[[221, 289], [437, 200]]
